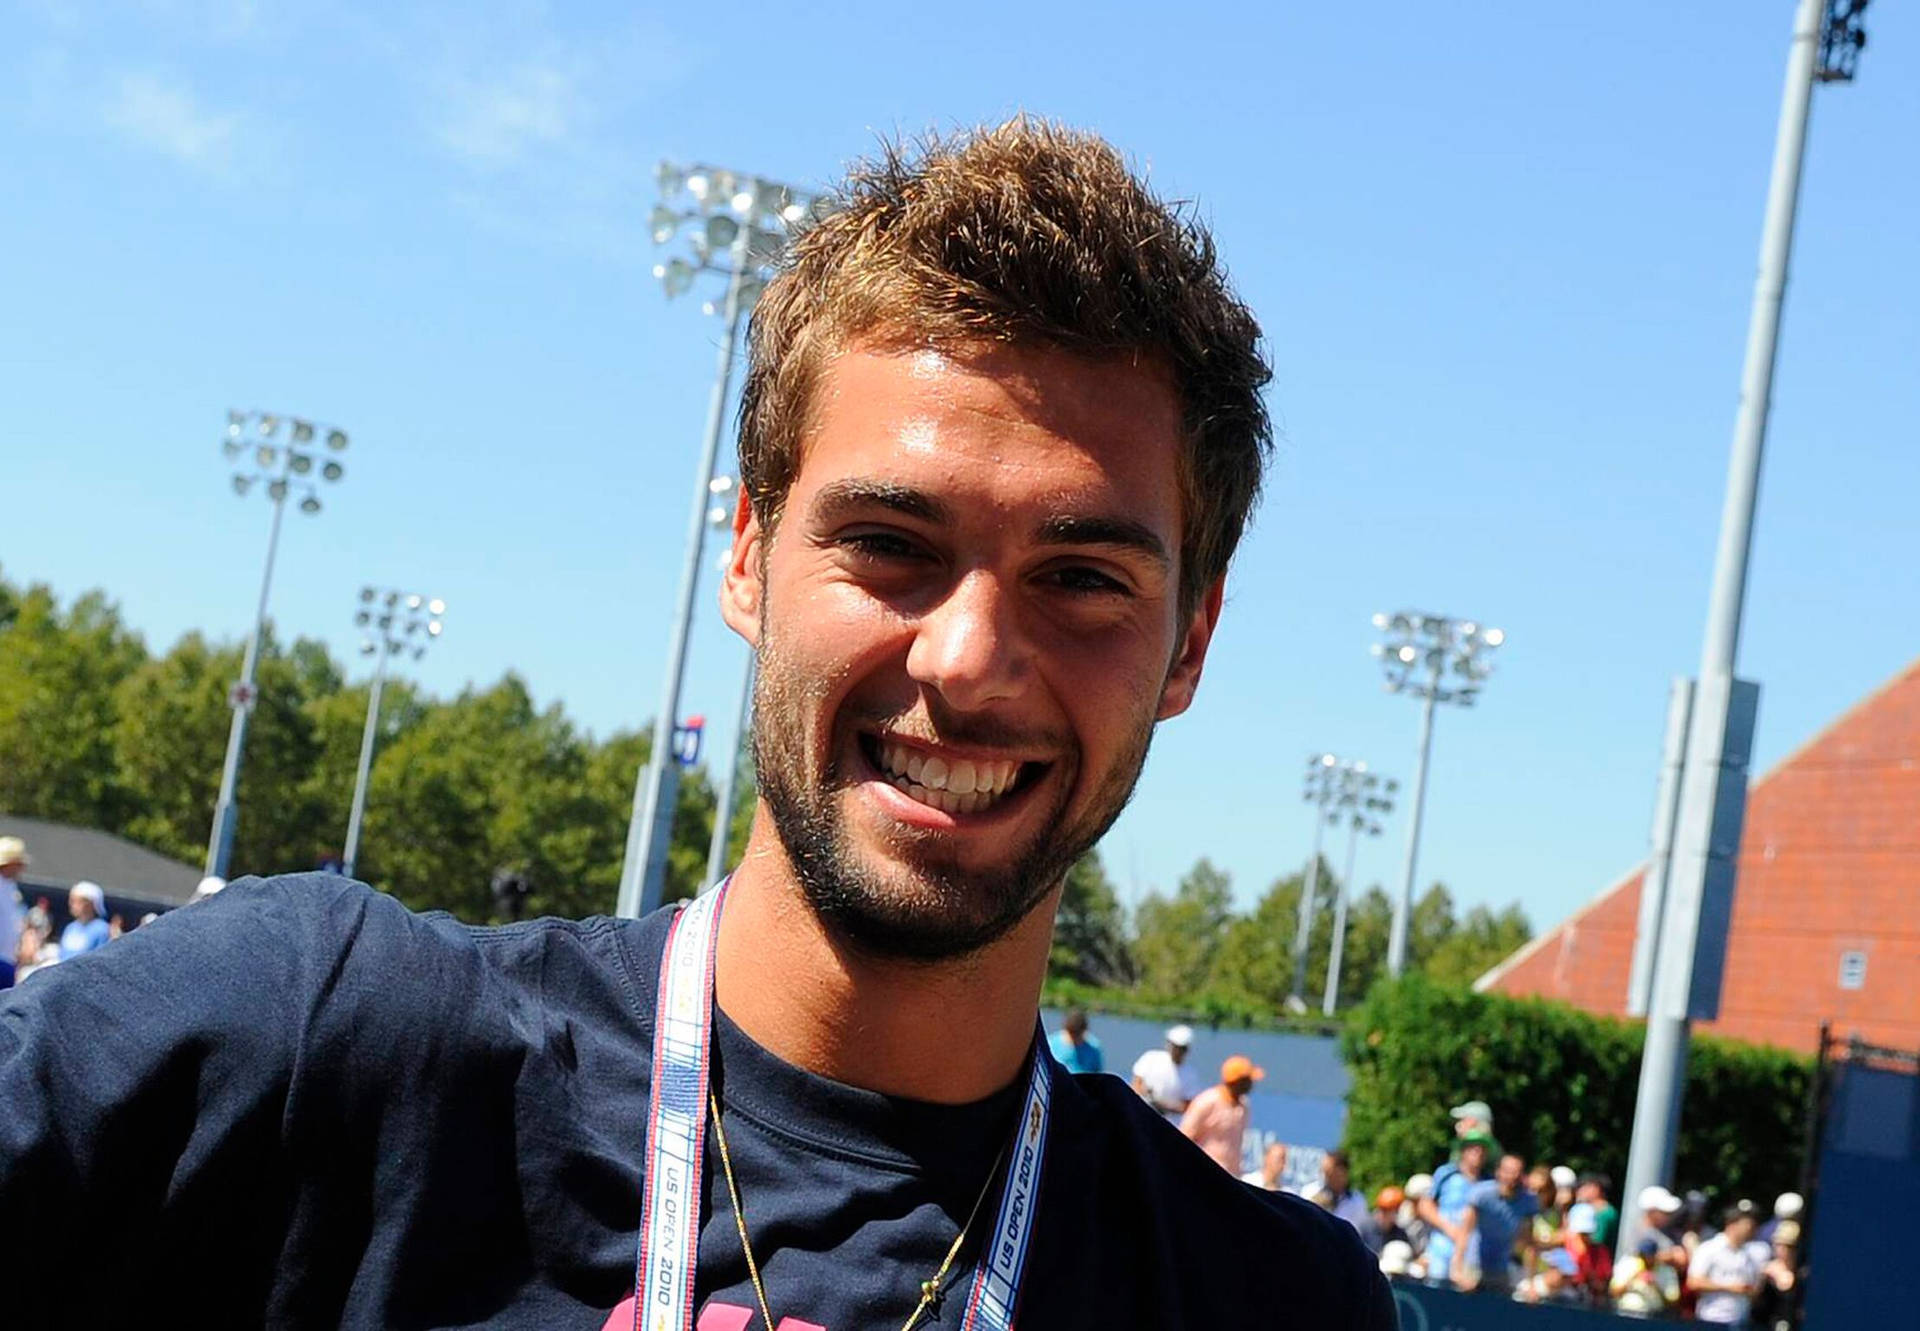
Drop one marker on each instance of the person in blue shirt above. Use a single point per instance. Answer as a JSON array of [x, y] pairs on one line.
[[1497, 1210], [88, 928], [1077, 1049], [1444, 1207]]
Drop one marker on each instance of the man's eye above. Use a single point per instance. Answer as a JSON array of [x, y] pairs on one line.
[[1086, 581], [877, 545]]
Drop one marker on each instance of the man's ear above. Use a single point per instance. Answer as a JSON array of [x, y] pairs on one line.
[[743, 590], [1176, 695]]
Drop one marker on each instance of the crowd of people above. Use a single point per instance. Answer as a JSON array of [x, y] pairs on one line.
[[31, 939], [1485, 1221]]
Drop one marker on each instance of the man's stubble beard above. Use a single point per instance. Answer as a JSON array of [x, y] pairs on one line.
[[923, 911]]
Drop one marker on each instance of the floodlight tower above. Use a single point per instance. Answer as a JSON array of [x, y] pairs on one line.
[[284, 456], [1320, 788], [738, 226], [1340, 790], [1687, 898], [1437, 659], [1367, 800], [392, 622]]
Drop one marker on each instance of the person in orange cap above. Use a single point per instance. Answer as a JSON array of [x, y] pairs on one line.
[[1216, 1121]]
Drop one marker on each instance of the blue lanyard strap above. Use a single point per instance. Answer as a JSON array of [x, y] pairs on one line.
[[676, 1140]]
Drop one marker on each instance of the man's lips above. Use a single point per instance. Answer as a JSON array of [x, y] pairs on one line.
[[953, 781]]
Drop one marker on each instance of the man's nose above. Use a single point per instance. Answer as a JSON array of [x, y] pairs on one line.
[[970, 647]]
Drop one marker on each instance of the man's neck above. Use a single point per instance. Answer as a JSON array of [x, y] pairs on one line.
[[947, 1032]]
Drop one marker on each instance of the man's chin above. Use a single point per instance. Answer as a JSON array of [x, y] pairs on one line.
[[899, 916]]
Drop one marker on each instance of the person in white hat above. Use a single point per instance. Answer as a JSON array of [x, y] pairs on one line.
[[1655, 1264], [1165, 1079], [13, 860], [88, 929]]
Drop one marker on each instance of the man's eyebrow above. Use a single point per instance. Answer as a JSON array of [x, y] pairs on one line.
[[1120, 533], [838, 500]]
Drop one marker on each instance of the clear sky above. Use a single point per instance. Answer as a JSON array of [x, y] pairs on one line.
[[1503, 254]]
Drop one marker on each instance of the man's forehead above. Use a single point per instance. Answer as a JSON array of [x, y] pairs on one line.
[[1067, 427]]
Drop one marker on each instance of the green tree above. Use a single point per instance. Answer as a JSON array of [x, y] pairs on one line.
[[58, 675], [1480, 941], [1177, 938], [171, 737], [1089, 931]]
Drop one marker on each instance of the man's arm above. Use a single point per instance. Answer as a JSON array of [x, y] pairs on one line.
[[1427, 1211], [1193, 1121], [144, 1086], [1461, 1240]]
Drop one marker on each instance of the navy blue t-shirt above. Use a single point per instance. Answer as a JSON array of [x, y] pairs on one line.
[[299, 1104]]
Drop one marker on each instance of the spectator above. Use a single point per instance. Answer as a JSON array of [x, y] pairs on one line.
[[1444, 1207], [1382, 1225], [1563, 1182], [1693, 1226], [1648, 1282], [1472, 1117], [1335, 1192], [1492, 1224], [1724, 1273], [1547, 1233], [1077, 1048], [1164, 1077], [1555, 1282], [1775, 1304], [86, 930], [1273, 1168], [1419, 1187], [1592, 1223], [1787, 1206], [1216, 1119], [13, 862]]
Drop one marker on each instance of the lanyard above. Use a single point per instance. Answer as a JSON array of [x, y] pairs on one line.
[[676, 1142]]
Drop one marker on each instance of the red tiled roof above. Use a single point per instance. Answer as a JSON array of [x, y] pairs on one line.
[[1829, 865]]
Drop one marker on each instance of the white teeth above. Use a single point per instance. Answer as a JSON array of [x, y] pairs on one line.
[[954, 785]]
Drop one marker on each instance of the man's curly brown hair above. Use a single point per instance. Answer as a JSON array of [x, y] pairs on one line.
[[1026, 234]]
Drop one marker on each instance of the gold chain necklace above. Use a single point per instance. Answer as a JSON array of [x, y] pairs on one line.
[[930, 1290]]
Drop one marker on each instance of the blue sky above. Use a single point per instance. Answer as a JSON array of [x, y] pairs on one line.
[[1504, 258]]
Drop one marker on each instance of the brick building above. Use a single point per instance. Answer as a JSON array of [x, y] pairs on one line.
[[1826, 913]]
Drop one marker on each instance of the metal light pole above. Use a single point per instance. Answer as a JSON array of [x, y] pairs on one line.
[[1690, 953], [720, 517], [1370, 796], [282, 455], [1439, 647], [1322, 787], [739, 228], [393, 622]]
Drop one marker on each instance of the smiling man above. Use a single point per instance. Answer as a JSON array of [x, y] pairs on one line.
[[1001, 432]]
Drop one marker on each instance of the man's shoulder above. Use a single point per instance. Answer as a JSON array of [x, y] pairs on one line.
[[1152, 1061], [1197, 1223], [349, 933]]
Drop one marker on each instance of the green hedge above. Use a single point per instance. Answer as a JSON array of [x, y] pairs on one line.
[[1561, 1084], [1204, 1009]]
